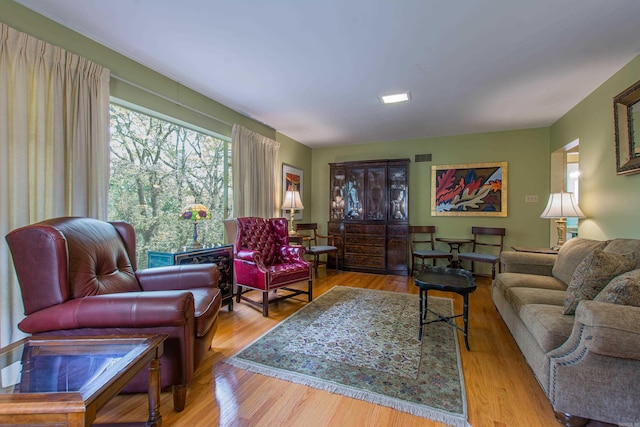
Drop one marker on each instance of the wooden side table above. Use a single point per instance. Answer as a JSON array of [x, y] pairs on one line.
[[454, 247], [222, 256], [64, 381], [447, 280]]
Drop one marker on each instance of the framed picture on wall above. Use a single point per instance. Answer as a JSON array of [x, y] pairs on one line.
[[292, 180], [476, 189]]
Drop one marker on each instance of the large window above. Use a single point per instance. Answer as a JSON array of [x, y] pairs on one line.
[[158, 167]]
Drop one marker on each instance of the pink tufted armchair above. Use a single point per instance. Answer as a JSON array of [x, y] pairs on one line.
[[264, 261], [78, 276]]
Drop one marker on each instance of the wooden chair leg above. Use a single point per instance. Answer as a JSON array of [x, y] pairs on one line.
[[310, 288], [238, 294], [265, 304], [179, 397]]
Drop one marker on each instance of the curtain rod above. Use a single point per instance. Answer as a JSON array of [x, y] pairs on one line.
[[166, 98]]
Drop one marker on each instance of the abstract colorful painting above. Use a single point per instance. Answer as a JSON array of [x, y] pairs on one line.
[[478, 189]]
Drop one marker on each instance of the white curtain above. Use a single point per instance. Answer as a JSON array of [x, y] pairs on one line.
[[54, 146], [255, 170]]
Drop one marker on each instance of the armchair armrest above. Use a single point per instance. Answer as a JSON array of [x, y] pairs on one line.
[[292, 253], [613, 330], [254, 257], [179, 277], [527, 263], [123, 310]]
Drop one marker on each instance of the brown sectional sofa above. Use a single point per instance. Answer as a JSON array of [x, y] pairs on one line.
[[588, 364]]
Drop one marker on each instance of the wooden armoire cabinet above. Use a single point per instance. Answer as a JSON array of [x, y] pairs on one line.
[[368, 215]]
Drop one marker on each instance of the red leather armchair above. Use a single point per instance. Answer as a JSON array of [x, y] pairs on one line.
[[264, 261], [79, 276]]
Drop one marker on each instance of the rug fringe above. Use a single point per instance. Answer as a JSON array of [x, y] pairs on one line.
[[444, 417]]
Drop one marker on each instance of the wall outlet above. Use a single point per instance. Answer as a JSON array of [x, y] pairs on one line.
[[531, 198]]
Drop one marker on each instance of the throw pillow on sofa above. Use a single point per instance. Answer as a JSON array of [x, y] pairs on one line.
[[594, 272], [623, 290], [571, 255]]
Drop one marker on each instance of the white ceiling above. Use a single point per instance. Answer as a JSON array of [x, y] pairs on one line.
[[314, 69]]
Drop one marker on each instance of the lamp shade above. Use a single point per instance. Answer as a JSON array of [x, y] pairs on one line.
[[195, 212], [562, 205], [292, 200]]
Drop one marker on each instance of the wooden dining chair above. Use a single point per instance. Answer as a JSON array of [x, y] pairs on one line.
[[423, 245], [310, 238], [485, 237]]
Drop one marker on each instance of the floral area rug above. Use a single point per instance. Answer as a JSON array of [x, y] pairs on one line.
[[364, 344]]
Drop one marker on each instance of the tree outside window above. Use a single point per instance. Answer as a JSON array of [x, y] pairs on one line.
[[157, 168]]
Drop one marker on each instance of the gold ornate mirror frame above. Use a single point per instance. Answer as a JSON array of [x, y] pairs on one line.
[[626, 114]]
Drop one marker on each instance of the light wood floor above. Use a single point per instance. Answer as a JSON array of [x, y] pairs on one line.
[[501, 389]]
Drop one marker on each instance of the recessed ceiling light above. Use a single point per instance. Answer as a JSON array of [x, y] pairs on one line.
[[397, 97]]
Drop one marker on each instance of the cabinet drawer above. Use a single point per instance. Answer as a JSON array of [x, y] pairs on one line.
[[351, 260], [366, 240], [374, 229], [363, 249], [335, 227], [397, 230]]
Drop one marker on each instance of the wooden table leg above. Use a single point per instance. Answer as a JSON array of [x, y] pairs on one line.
[[155, 418], [421, 311], [465, 317]]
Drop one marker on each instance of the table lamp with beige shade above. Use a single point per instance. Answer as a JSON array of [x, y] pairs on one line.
[[292, 203], [562, 206]]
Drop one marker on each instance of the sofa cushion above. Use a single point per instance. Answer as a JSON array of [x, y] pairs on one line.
[[519, 297], [593, 274], [549, 327], [571, 254], [623, 289], [624, 246], [505, 281]]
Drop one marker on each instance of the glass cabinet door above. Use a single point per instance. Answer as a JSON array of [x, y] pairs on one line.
[[355, 188], [376, 194], [398, 193], [337, 194]]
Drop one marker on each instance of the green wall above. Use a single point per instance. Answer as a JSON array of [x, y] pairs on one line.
[[610, 202], [525, 151]]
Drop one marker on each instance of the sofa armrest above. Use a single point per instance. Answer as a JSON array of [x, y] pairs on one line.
[[595, 374], [527, 263], [610, 329], [178, 277], [123, 310]]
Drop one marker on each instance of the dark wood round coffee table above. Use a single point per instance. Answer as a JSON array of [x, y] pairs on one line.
[[449, 280]]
